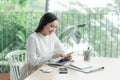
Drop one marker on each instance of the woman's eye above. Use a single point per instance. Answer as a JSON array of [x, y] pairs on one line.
[[53, 26]]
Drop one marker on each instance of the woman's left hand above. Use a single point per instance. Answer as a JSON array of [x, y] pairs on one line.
[[68, 56]]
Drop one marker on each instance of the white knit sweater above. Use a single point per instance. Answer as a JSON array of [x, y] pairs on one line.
[[41, 48]]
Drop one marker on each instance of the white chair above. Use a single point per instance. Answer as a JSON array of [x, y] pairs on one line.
[[16, 61]]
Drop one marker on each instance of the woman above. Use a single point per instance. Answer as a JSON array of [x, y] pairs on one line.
[[43, 45]]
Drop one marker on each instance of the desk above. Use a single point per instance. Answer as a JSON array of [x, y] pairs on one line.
[[111, 71]]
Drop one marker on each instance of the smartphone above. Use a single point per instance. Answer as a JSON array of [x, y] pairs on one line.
[[63, 70]]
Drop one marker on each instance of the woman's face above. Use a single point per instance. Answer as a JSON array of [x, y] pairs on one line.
[[49, 28]]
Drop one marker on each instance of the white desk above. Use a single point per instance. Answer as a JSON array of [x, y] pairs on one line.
[[111, 72]]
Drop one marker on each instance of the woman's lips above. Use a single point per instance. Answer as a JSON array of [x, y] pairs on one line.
[[50, 32]]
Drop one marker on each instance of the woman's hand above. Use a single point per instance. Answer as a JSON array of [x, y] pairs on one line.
[[58, 55], [68, 56]]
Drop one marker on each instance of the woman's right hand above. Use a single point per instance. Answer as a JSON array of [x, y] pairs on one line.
[[58, 55]]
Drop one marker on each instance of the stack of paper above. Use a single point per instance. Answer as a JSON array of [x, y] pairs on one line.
[[84, 67], [81, 65]]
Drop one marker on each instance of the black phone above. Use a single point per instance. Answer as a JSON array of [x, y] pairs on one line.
[[63, 70]]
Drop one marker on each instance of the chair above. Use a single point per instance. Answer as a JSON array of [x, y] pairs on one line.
[[16, 61]]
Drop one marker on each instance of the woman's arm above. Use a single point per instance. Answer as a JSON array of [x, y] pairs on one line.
[[59, 48], [33, 58]]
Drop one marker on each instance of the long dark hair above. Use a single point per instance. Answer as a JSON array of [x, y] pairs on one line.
[[45, 19]]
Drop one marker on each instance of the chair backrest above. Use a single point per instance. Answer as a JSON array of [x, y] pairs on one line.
[[16, 61]]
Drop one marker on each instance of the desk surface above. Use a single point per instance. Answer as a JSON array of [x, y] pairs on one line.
[[111, 71]]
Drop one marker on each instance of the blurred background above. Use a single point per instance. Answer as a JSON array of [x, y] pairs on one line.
[[101, 20]]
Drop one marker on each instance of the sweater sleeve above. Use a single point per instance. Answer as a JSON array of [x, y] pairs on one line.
[[59, 48], [33, 58]]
